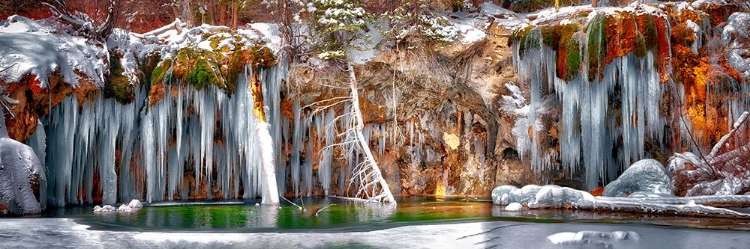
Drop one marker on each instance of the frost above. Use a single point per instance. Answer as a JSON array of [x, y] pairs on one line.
[[646, 175]]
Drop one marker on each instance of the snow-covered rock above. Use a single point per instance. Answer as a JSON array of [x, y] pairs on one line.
[[124, 209], [39, 48], [505, 194], [501, 195], [135, 204], [104, 209], [21, 172], [551, 196], [515, 206], [647, 175], [736, 38]]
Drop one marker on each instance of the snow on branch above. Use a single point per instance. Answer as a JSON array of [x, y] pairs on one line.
[[725, 171]]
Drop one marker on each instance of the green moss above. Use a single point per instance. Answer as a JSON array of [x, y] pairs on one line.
[[118, 85], [551, 36], [162, 72], [640, 46], [650, 33], [597, 41], [518, 35], [199, 68], [572, 59]]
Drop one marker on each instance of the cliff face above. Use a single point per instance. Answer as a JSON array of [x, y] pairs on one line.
[[621, 84], [569, 98]]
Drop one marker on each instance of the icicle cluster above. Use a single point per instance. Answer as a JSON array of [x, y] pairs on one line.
[[159, 143], [589, 126]]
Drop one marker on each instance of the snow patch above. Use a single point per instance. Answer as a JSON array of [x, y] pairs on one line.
[[40, 49], [596, 239], [515, 206]]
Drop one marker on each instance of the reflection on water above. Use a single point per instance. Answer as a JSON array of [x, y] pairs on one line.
[[340, 215], [332, 214]]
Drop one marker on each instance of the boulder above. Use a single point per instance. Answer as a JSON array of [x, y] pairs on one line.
[[22, 178], [644, 176]]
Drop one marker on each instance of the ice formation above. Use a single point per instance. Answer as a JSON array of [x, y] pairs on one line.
[[586, 117], [83, 140], [647, 175]]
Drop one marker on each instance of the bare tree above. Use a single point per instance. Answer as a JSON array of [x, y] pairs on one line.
[[82, 22], [337, 25]]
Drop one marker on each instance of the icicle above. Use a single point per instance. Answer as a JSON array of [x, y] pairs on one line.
[[308, 166], [296, 147], [324, 167]]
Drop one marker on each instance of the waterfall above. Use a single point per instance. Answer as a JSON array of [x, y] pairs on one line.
[[207, 131]]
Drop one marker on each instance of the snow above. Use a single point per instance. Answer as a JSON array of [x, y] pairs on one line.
[[551, 196], [597, 239], [515, 206], [556, 197], [104, 209], [736, 38], [40, 49], [18, 167], [647, 175], [135, 203], [61, 232]]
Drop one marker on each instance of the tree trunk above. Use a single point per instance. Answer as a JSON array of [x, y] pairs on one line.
[[361, 138], [235, 11], [223, 14]]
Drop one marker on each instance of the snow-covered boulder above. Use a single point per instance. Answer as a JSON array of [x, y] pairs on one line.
[[515, 206], [136, 204], [505, 194], [104, 209], [22, 179], [647, 175], [552, 196], [124, 209], [501, 195], [736, 38]]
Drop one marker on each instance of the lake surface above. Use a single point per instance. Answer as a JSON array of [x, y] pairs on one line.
[[414, 223]]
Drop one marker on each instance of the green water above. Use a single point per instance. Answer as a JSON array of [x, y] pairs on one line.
[[336, 215], [317, 214]]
